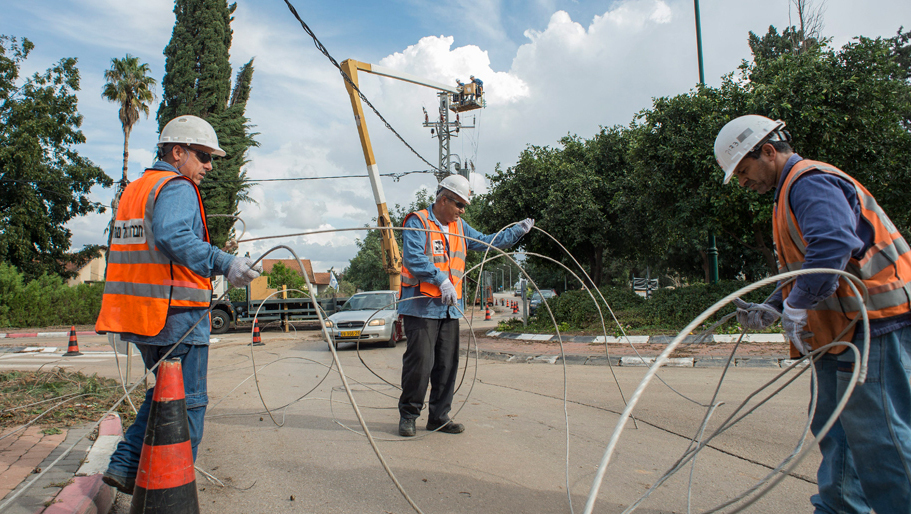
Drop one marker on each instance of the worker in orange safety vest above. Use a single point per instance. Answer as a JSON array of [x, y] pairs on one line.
[[157, 286], [824, 218]]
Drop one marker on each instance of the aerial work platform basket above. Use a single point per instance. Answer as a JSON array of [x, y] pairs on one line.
[[469, 98]]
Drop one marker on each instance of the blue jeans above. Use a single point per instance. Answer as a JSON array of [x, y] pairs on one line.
[[866, 456], [194, 361]]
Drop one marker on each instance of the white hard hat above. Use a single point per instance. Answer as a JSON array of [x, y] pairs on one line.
[[741, 136], [458, 185], [191, 130]]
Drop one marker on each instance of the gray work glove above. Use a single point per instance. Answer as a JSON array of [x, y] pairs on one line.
[[448, 293], [526, 225], [242, 271], [755, 316], [794, 321]]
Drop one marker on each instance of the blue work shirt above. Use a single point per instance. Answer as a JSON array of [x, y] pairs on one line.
[[420, 266], [829, 216], [178, 233]]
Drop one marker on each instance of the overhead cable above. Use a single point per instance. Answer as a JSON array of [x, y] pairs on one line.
[[322, 49]]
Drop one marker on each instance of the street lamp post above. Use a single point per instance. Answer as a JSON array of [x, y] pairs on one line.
[[713, 249]]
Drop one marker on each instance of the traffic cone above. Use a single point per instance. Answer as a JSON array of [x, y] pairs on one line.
[[166, 480], [73, 349], [515, 307], [487, 314], [257, 341]]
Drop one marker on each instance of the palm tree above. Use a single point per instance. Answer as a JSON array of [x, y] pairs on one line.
[[128, 84]]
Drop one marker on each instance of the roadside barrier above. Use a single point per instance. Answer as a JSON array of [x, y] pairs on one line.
[[72, 349], [166, 480]]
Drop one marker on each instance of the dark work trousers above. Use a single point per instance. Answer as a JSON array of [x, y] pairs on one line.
[[432, 356]]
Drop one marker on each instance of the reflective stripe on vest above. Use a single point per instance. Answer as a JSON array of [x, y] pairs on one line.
[[141, 283], [885, 268], [446, 254]]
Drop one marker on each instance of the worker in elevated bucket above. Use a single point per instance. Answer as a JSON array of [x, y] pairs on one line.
[[432, 270], [157, 288], [824, 218]]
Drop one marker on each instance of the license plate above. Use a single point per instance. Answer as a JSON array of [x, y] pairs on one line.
[[350, 333]]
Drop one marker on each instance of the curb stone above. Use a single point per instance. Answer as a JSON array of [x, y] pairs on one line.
[[16, 335], [87, 494], [664, 340]]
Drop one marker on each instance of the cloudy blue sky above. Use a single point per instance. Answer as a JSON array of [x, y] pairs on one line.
[[550, 67]]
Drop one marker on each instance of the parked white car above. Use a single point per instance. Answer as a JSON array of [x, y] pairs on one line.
[[371, 317]]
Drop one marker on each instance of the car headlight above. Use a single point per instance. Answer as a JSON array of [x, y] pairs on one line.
[[376, 323], [329, 324]]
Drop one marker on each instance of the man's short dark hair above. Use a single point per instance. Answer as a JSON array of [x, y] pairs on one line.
[[165, 150], [780, 146]]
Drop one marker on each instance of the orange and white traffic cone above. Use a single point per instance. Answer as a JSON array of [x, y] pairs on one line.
[[487, 314], [73, 349], [166, 480], [257, 340]]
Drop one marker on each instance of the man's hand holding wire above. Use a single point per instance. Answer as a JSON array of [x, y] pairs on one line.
[[526, 225], [793, 321], [242, 271], [448, 293], [755, 316]]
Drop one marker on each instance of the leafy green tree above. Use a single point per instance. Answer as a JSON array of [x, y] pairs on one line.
[[44, 182], [571, 193], [198, 81], [129, 85], [282, 275]]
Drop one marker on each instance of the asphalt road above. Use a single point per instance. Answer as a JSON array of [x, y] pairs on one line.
[[513, 456]]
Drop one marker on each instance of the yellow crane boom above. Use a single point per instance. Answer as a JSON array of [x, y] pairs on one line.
[[392, 256]]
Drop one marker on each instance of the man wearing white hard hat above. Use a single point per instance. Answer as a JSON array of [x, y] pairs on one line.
[[824, 218], [157, 286], [433, 266]]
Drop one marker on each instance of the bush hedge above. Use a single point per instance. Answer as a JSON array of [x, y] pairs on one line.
[[667, 309], [46, 301]]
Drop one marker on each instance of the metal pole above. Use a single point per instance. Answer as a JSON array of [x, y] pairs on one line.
[[712, 250], [699, 43]]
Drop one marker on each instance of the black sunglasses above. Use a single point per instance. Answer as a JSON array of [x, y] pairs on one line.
[[203, 157], [457, 203]]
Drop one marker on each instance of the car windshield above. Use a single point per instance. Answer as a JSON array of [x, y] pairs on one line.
[[370, 302], [547, 294]]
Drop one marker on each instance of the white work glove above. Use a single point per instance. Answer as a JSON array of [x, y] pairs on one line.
[[793, 322], [755, 316], [242, 271], [526, 225], [448, 293]]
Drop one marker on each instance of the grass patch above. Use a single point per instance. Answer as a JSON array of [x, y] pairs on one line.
[[24, 395]]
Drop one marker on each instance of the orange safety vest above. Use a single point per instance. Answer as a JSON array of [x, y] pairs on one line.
[[449, 258], [141, 283], [885, 267]]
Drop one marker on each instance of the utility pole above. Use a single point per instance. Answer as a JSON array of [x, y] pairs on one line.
[[444, 130], [713, 249]]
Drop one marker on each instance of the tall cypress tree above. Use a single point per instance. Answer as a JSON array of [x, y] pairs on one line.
[[197, 81]]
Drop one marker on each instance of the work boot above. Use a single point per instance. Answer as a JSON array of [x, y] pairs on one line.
[[449, 427], [123, 484], [406, 427]]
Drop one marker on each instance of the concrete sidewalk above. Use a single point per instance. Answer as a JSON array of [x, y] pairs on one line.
[[73, 485]]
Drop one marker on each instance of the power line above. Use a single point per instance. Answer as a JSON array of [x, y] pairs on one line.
[[322, 49]]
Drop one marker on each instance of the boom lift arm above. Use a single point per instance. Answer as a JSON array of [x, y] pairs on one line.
[[392, 257]]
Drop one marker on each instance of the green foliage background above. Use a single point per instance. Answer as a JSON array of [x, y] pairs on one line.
[[45, 301], [44, 182]]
